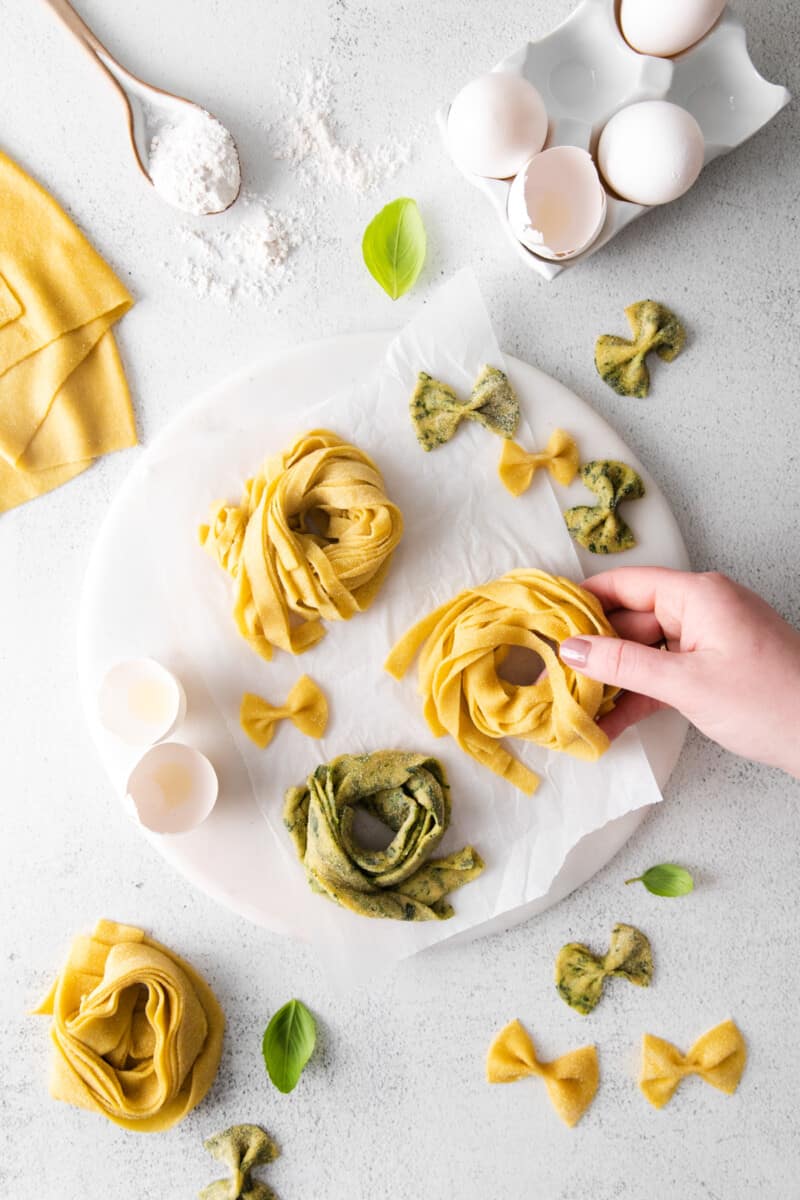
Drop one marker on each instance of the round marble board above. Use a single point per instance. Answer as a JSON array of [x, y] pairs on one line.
[[125, 612]]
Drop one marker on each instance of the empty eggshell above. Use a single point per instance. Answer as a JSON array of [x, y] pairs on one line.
[[651, 153], [140, 701], [665, 27], [495, 124], [172, 788], [557, 204]]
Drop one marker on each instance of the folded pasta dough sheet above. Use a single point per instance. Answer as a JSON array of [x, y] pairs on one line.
[[461, 528]]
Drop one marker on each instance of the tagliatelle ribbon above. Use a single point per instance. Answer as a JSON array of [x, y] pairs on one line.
[[137, 1032], [408, 793], [306, 707], [311, 541], [462, 646], [599, 527], [437, 412], [241, 1148], [718, 1057], [518, 467], [571, 1080]]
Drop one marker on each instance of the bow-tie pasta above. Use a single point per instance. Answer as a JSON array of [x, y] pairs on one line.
[[306, 707], [437, 412], [518, 467], [571, 1080], [580, 975], [718, 1057], [599, 527], [241, 1148], [408, 793], [621, 363]]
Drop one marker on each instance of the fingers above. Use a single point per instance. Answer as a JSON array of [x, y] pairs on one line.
[[656, 590], [629, 710], [636, 587], [630, 666], [636, 626]]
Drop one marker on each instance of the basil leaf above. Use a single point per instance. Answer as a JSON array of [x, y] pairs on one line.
[[394, 246], [666, 879], [288, 1042]]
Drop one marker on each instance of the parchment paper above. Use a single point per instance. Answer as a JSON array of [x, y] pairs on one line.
[[461, 528]]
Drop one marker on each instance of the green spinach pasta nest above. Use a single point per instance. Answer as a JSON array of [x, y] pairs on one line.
[[409, 794]]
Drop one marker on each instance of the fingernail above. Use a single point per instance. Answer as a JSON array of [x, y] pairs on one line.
[[575, 652]]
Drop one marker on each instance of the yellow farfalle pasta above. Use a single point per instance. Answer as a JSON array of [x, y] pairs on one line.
[[310, 542], [306, 707], [137, 1032], [718, 1057], [518, 467], [571, 1080], [463, 644]]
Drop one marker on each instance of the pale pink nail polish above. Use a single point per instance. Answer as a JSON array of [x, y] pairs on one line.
[[575, 652]]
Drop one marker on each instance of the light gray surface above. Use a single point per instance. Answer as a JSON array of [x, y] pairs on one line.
[[394, 1103]]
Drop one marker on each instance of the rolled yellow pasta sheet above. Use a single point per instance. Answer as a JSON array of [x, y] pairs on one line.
[[462, 646], [137, 1032], [311, 541]]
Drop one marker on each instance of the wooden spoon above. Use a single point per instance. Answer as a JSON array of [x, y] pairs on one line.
[[147, 106]]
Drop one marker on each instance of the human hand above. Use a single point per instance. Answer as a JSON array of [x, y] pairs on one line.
[[732, 664]]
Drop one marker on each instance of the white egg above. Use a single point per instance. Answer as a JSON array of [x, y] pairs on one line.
[[140, 701], [495, 124], [665, 27], [172, 789], [651, 153], [557, 204]]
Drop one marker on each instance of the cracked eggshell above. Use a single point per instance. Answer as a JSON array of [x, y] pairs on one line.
[[495, 124], [172, 788], [140, 701], [651, 153], [557, 204], [666, 27]]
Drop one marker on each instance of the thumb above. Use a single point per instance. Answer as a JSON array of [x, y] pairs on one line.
[[629, 665]]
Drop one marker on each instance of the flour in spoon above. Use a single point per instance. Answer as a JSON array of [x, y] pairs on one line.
[[194, 164]]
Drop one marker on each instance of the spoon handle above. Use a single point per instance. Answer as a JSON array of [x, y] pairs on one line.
[[77, 26]]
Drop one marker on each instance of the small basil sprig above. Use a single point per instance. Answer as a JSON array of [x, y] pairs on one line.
[[394, 246], [288, 1042], [666, 879]]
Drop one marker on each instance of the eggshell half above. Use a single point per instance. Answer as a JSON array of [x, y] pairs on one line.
[[652, 152], [666, 27], [172, 789], [495, 124], [140, 701], [557, 204]]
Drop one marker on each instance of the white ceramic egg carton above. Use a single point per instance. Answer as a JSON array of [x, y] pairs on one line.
[[585, 71]]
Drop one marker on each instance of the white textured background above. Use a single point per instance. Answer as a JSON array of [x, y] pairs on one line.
[[394, 1104]]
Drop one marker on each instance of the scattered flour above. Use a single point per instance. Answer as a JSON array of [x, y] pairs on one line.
[[194, 164], [309, 138], [246, 261], [244, 257]]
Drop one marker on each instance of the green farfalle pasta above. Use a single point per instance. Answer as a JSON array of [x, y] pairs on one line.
[[621, 363], [437, 412], [599, 527], [581, 975], [241, 1148], [408, 793]]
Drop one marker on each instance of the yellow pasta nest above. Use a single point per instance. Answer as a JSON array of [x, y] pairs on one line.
[[311, 541], [462, 647]]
